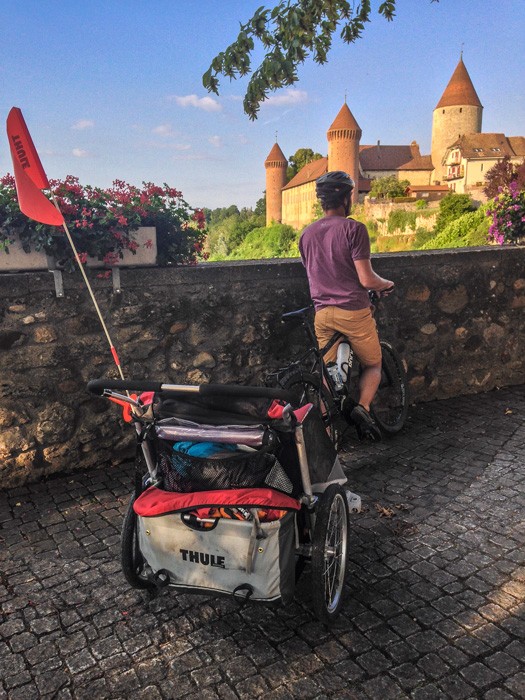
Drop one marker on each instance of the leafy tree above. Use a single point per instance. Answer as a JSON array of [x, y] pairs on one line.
[[289, 33], [388, 187], [300, 158], [502, 174], [215, 216], [228, 232], [260, 206], [451, 207]]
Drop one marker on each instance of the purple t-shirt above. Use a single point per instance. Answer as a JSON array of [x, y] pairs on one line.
[[328, 249]]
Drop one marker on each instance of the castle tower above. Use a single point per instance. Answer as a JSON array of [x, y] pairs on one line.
[[343, 146], [458, 112], [275, 165]]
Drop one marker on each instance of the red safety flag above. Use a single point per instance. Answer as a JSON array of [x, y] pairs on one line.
[[30, 177]]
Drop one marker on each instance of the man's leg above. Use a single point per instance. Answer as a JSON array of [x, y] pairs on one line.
[[368, 384]]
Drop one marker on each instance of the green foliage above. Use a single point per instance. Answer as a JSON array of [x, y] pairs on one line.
[[400, 220], [471, 228], [215, 216], [394, 244], [300, 158], [388, 187], [421, 204], [422, 236], [102, 222], [275, 241], [260, 206], [289, 33], [226, 235], [451, 207]]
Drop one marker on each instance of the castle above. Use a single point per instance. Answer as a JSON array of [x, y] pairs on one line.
[[460, 157]]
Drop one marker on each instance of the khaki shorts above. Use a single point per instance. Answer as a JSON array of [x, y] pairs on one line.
[[358, 326]]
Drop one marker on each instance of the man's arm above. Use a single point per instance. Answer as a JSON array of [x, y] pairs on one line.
[[369, 279]]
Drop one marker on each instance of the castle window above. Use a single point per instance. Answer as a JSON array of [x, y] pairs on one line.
[[443, 111], [482, 167], [496, 150], [461, 109]]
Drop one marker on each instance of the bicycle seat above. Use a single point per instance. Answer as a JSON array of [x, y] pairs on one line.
[[300, 313]]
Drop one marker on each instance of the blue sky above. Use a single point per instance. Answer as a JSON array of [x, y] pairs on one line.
[[112, 89]]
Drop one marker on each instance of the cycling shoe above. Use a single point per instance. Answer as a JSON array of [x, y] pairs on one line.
[[365, 424]]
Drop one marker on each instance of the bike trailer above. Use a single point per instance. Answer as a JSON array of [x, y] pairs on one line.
[[245, 557]]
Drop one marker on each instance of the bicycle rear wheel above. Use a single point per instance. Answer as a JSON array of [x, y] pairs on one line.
[[307, 388], [390, 406]]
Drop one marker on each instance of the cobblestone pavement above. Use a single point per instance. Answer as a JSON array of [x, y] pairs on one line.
[[436, 596]]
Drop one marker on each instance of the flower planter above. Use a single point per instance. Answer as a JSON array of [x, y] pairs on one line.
[[143, 257], [17, 260]]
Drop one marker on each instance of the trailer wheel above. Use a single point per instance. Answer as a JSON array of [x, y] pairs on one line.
[[132, 561], [330, 553]]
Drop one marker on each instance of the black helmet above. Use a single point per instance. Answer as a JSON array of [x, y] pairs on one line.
[[334, 181]]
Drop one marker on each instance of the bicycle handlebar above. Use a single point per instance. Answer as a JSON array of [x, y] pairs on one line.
[[99, 386]]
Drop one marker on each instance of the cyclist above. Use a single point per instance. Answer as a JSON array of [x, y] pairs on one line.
[[335, 251]]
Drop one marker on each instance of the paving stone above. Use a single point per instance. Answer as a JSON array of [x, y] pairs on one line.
[[433, 608]]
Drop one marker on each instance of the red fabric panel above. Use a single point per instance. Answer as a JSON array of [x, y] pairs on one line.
[[29, 174], [154, 501]]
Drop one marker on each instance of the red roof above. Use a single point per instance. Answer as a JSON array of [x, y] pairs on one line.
[[276, 155], [418, 163], [428, 188], [308, 173], [489, 145], [344, 120], [381, 157], [460, 90]]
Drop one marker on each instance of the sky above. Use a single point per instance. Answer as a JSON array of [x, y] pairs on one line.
[[112, 89]]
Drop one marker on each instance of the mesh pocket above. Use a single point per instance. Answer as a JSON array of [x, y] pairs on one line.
[[186, 473]]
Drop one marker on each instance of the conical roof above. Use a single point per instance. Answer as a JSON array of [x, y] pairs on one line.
[[344, 120], [276, 155], [460, 90]]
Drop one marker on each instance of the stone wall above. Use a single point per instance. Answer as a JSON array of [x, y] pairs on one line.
[[457, 317]]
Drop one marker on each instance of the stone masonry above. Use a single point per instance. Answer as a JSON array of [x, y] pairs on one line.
[[457, 318]]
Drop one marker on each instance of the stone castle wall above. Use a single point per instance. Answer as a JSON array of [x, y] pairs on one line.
[[456, 318]]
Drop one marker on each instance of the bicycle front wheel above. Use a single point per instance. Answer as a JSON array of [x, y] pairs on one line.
[[390, 406], [307, 388]]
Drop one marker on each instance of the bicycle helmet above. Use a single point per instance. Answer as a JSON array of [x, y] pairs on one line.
[[332, 187]]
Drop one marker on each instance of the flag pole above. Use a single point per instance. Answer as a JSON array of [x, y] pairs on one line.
[[31, 179], [90, 290]]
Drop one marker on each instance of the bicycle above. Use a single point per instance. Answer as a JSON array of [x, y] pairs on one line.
[[334, 390]]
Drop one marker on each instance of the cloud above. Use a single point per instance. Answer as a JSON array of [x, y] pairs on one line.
[[208, 104], [215, 141], [163, 130], [289, 97], [82, 124], [80, 153]]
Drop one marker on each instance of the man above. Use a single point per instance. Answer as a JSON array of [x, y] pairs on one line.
[[336, 254]]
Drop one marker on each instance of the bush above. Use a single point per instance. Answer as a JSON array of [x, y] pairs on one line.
[[401, 220], [422, 236], [275, 241], [394, 244], [451, 207], [421, 204], [102, 222], [508, 215], [465, 231]]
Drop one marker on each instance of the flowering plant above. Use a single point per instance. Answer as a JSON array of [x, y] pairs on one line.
[[102, 222], [507, 210]]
